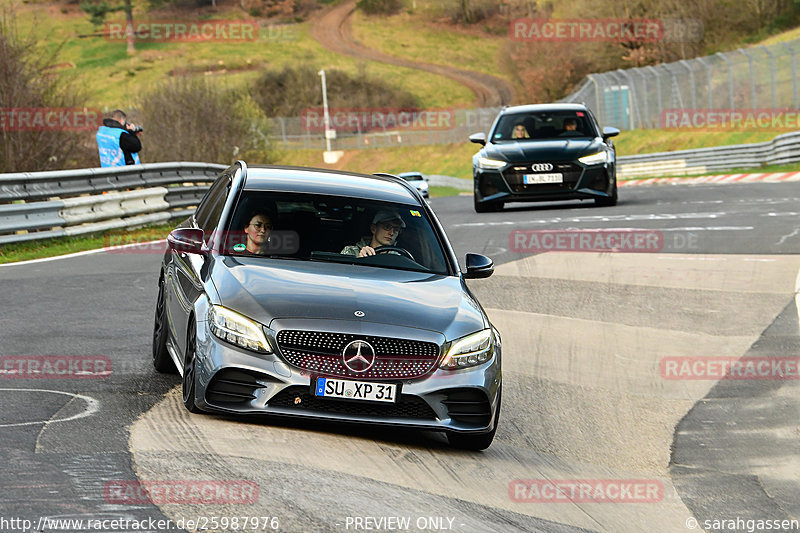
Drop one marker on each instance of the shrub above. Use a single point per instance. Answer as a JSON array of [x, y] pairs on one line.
[[288, 92], [28, 81], [192, 119], [380, 7]]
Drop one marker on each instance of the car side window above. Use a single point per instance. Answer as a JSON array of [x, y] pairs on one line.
[[210, 208]]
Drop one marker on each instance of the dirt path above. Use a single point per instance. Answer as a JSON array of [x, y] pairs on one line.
[[332, 30]]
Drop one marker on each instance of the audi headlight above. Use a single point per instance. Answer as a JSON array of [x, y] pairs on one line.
[[595, 159], [485, 162], [469, 351], [237, 329]]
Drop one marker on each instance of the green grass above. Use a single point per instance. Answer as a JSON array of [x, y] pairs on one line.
[[446, 159], [439, 190], [112, 79], [12, 253], [634, 142], [413, 36]]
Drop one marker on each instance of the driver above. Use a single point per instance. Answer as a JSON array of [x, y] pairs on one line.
[[386, 227]]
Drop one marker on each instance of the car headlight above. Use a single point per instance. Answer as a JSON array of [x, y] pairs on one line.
[[469, 351], [236, 329], [485, 162], [595, 159]]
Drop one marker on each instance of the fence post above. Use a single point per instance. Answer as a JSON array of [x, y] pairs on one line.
[[708, 82], [752, 78], [691, 77], [283, 130], [647, 121], [657, 76], [771, 75], [730, 79], [794, 73]]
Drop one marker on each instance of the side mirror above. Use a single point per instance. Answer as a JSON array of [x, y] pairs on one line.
[[478, 138], [478, 266], [608, 131], [189, 240]]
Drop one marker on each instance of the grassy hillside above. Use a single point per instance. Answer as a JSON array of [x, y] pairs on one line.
[[112, 79], [407, 35]]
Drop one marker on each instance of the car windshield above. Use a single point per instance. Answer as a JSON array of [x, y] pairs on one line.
[[412, 177], [541, 125], [311, 227]]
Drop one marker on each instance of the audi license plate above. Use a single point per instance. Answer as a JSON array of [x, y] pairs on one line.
[[356, 390], [534, 179]]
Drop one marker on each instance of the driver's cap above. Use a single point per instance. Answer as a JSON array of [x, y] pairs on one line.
[[388, 215]]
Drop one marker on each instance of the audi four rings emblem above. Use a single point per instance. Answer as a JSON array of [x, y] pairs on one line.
[[542, 167], [358, 356]]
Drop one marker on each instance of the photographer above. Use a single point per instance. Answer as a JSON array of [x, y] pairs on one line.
[[118, 141]]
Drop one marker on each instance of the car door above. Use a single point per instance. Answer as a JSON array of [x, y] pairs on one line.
[[185, 282]]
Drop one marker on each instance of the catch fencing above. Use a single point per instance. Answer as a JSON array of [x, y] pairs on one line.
[[381, 129], [40, 205], [759, 77]]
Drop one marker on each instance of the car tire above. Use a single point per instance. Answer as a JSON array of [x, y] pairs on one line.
[[479, 442], [162, 362], [608, 202], [486, 207], [190, 370]]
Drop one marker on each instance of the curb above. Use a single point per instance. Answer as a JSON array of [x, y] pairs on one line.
[[769, 177]]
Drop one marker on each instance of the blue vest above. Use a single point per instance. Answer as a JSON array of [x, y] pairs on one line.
[[108, 143]]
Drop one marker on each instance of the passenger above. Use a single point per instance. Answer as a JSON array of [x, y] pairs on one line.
[[520, 131], [570, 126], [258, 229], [385, 228]]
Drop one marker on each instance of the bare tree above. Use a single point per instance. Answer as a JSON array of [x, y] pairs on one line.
[[97, 14]]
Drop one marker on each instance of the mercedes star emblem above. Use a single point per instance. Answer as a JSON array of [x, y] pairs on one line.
[[358, 356]]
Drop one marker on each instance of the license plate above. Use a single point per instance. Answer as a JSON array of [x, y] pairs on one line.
[[533, 179], [356, 390]]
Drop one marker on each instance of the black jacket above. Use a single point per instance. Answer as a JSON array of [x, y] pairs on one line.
[[129, 142]]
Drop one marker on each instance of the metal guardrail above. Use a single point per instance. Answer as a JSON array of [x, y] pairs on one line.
[[781, 150], [41, 205]]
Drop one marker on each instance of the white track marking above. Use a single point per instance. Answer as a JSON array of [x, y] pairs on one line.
[[92, 406]]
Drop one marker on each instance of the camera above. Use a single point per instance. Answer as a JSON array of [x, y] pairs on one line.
[[136, 128]]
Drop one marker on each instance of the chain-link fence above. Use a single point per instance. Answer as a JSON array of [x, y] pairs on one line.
[[378, 128], [712, 88], [756, 78]]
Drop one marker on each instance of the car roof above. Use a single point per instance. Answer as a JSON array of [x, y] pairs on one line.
[[532, 108], [331, 182]]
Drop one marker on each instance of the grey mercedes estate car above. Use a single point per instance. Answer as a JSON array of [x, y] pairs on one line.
[[327, 295]]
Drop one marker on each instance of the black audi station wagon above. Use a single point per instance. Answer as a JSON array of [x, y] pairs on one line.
[[544, 152], [327, 295]]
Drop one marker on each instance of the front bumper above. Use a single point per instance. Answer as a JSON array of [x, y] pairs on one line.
[[580, 182], [234, 380]]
